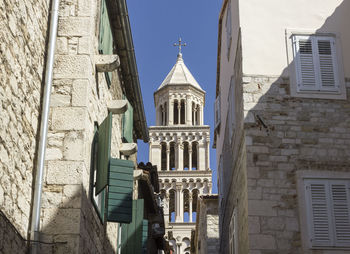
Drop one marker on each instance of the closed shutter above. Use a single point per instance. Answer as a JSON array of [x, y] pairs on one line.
[[319, 212], [341, 212], [327, 63], [128, 124], [103, 155], [105, 45], [132, 234], [305, 63], [120, 188], [144, 236]]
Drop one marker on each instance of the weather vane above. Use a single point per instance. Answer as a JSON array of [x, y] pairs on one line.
[[179, 45]]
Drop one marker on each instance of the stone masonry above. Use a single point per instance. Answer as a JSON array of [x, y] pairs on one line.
[[22, 52], [300, 134], [79, 99]]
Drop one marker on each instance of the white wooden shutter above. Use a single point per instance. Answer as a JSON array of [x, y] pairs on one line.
[[341, 212], [305, 63], [327, 63], [319, 212]]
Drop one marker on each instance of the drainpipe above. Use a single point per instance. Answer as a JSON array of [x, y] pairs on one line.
[[35, 220]]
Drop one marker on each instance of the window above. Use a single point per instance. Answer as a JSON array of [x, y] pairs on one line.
[[328, 212], [315, 66], [98, 200], [231, 110], [233, 233], [105, 40], [217, 112], [228, 26]]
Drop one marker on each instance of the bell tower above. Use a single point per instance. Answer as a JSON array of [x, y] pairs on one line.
[[179, 146]]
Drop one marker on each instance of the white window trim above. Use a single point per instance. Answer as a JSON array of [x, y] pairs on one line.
[[341, 93], [303, 175], [231, 110], [233, 234]]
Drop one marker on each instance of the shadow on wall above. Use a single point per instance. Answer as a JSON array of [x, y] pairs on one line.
[[287, 134], [74, 228]]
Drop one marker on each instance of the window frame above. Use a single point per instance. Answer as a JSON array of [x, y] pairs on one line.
[[340, 93], [233, 241], [95, 199], [228, 28], [304, 214]]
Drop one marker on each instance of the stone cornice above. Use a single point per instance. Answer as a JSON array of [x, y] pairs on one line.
[[179, 128], [185, 173]]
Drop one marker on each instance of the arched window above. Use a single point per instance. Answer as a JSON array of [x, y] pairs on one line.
[[165, 108], [163, 156], [186, 205], [176, 112], [194, 155], [194, 204], [172, 156], [172, 196], [186, 156], [193, 113], [182, 113]]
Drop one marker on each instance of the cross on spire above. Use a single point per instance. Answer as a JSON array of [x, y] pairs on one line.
[[179, 45]]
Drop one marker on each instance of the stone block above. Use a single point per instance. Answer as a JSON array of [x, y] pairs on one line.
[[74, 26], [253, 225], [61, 221], [79, 94], [68, 118], [53, 153], [73, 67], [64, 172], [262, 242], [262, 207], [84, 45], [74, 146], [62, 46], [292, 224], [59, 100]]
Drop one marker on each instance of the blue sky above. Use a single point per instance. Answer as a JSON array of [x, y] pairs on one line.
[[156, 25]]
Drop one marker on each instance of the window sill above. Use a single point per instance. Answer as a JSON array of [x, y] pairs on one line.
[[318, 94]]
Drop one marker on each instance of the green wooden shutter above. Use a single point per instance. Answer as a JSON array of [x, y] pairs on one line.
[[120, 187], [128, 123], [144, 236], [105, 45], [103, 155], [133, 239]]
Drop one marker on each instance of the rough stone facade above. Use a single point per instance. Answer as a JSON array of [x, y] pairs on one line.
[[79, 98], [22, 52], [300, 134], [207, 225]]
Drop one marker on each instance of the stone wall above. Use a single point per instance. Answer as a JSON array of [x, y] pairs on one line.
[[207, 228], [22, 54], [79, 99], [292, 134]]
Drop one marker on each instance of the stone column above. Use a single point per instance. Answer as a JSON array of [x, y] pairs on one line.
[[179, 111], [188, 110], [189, 156], [190, 206], [171, 112], [195, 116], [207, 163], [166, 208], [201, 161], [179, 198], [180, 158], [201, 115], [167, 156]]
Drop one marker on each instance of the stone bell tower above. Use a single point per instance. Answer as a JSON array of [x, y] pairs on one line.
[[179, 146]]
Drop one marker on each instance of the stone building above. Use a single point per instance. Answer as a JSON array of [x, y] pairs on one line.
[[95, 116], [206, 239], [179, 146], [282, 129]]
